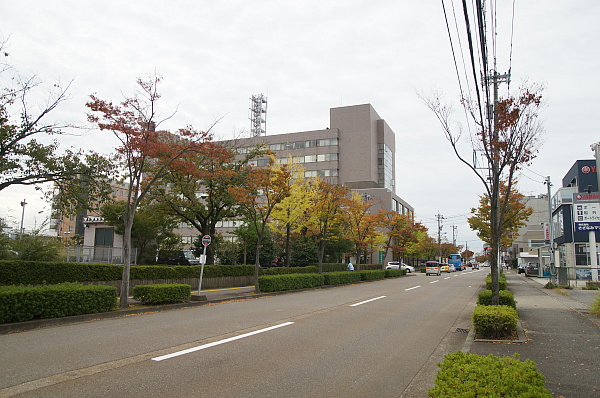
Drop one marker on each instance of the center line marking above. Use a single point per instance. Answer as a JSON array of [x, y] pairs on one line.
[[367, 301], [202, 347], [411, 288], [435, 281]]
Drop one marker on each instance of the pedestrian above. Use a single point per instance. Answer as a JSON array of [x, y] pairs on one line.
[[350, 266]]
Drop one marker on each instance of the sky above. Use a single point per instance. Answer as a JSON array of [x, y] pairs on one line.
[[307, 57]]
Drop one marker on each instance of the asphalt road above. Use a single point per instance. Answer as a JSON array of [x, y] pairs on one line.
[[378, 339]]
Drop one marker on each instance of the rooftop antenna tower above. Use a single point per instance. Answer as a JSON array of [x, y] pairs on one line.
[[258, 115]]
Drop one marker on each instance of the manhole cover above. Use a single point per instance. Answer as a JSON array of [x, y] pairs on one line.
[[459, 330]]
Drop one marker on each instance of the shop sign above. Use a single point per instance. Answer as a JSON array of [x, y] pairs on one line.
[[586, 211]]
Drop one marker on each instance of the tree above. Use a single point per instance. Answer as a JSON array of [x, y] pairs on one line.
[[26, 159], [264, 188], [325, 215], [401, 232], [517, 213], [291, 211], [146, 154], [507, 141], [360, 224]]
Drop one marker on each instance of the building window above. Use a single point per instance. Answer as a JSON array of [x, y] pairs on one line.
[[582, 254], [385, 167], [327, 142], [104, 237]]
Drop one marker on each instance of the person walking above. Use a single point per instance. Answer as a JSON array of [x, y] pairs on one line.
[[350, 266]]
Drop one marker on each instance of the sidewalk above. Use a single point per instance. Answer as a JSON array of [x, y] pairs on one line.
[[562, 338]]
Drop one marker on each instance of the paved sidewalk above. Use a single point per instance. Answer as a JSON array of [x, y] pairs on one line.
[[563, 339]]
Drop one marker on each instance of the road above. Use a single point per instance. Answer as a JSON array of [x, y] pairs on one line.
[[379, 339]]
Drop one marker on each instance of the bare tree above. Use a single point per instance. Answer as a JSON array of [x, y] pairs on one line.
[[507, 142]]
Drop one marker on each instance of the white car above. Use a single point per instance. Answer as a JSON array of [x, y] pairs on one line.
[[399, 265]]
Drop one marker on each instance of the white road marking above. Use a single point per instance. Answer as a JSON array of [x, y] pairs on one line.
[[411, 288], [202, 347], [367, 301], [435, 281]]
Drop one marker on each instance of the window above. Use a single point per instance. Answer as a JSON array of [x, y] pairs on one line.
[[104, 237], [327, 142]]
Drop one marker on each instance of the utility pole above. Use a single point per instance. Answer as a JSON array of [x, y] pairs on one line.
[[439, 221], [551, 232], [454, 227]]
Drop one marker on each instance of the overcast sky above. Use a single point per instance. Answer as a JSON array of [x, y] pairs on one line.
[[307, 57]]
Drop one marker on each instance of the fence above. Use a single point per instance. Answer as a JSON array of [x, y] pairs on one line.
[[93, 254]]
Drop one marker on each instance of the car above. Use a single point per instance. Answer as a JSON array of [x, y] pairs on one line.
[[521, 269], [399, 265], [532, 269], [177, 257], [444, 267], [432, 268]]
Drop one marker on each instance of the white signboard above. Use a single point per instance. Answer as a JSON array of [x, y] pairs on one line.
[[586, 211]]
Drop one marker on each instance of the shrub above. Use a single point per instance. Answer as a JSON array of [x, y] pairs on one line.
[[392, 273], [341, 277], [495, 321], [23, 303], [162, 293], [372, 275], [333, 267], [463, 375], [501, 282], [505, 298], [595, 306], [277, 283], [291, 270]]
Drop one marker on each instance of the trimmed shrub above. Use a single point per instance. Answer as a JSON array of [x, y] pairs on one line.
[[501, 282], [595, 306], [333, 267], [372, 275], [505, 298], [277, 283], [23, 303], [463, 375], [162, 293], [291, 270], [392, 273], [338, 278], [495, 321]]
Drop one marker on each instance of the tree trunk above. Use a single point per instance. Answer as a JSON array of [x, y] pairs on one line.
[[123, 299], [287, 244]]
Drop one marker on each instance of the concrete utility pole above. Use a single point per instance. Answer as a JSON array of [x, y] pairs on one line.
[[553, 263], [23, 203], [439, 220], [454, 227]]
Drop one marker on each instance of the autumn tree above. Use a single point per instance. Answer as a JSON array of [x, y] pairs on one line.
[[288, 214], [360, 223], [146, 153], [325, 215], [200, 195], [507, 141], [402, 232], [517, 213], [258, 195]]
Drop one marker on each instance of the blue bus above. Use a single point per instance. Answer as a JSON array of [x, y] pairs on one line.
[[454, 260]]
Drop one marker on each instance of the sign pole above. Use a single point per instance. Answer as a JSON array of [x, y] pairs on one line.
[[205, 242]]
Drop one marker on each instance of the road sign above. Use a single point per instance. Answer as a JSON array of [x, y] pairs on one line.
[[206, 240]]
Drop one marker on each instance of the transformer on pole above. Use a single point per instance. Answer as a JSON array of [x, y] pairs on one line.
[[258, 115]]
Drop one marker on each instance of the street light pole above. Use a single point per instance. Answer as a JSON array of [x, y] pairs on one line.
[[23, 203]]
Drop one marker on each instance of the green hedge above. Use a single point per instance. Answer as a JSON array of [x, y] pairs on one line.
[[291, 270], [341, 277], [392, 273], [333, 267], [466, 375], [505, 298], [277, 283], [162, 293], [502, 285], [21, 303], [18, 272], [372, 275], [495, 321]]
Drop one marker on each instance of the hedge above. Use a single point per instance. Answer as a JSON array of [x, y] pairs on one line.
[[502, 285], [392, 273], [372, 275], [466, 375], [495, 321], [277, 283], [162, 293], [505, 298], [22, 303], [311, 269], [341, 277]]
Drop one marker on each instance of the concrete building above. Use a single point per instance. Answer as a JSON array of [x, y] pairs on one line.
[[531, 242], [576, 224]]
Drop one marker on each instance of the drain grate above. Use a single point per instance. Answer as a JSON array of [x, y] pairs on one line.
[[459, 330]]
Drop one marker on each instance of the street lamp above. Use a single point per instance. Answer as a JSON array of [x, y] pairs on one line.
[[23, 203]]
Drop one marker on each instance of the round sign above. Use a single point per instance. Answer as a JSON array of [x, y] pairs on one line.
[[206, 240]]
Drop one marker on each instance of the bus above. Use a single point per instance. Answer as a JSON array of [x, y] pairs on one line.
[[454, 260]]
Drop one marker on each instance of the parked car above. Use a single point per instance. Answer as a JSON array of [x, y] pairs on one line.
[[521, 269], [177, 257], [399, 265], [532, 269], [432, 268]]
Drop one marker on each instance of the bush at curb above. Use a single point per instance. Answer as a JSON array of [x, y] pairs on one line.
[[277, 283], [162, 293], [495, 321], [466, 375], [505, 298], [595, 306], [502, 285], [338, 278]]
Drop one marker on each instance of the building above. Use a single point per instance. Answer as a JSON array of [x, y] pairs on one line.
[[576, 224], [531, 240]]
